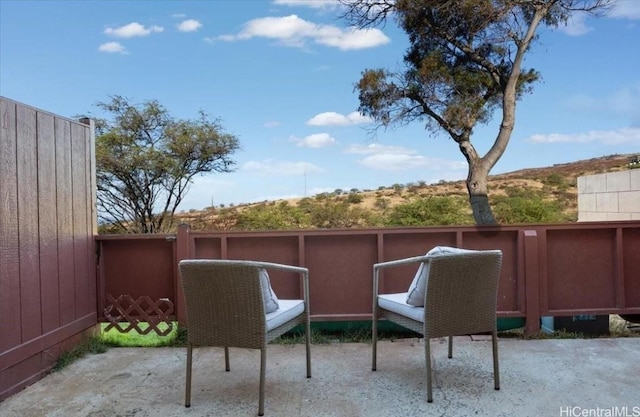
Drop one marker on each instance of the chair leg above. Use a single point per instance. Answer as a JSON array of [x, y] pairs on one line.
[[263, 366], [427, 355], [308, 343], [450, 347], [226, 359], [187, 393], [374, 340], [496, 370]]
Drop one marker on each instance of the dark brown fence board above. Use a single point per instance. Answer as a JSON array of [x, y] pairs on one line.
[[207, 248], [506, 240], [25, 372], [332, 291], [48, 222], [583, 280], [79, 207], [31, 322], [278, 249], [138, 267], [64, 180], [631, 266], [10, 327], [34, 359], [404, 245]]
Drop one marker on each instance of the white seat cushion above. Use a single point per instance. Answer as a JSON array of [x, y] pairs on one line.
[[288, 310], [397, 303], [268, 296], [418, 287]]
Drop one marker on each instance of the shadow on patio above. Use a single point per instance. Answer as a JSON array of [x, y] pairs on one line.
[[539, 378]]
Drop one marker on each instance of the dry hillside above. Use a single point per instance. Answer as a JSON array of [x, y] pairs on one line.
[[553, 182]]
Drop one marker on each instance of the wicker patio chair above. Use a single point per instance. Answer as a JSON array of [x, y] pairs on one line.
[[225, 307], [460, 299]]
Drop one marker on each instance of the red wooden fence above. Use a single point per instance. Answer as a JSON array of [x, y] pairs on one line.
[[548, 270]]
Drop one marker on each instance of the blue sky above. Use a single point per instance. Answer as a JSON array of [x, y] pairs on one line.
[[280, 75]]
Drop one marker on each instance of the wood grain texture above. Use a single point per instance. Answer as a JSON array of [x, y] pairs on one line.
[[9, 260], [48, 227], [66, 271], [28, 246]]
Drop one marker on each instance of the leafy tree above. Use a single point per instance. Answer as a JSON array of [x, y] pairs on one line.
[[146, 159], [464, 61]]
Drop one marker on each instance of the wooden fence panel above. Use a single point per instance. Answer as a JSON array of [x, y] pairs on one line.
[[64, 181], [81, 235], [630, 292], [31, 317], [10, 327], [47, 223], [583, 278]]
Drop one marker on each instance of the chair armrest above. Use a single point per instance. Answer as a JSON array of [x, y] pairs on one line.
[[390, 264], [268, 265], [404, 261], [304, 274]]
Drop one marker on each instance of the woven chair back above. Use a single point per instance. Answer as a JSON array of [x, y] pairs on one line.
[[224, 304]]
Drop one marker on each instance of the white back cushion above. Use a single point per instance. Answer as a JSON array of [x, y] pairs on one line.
[[269, 297], [418, 287]]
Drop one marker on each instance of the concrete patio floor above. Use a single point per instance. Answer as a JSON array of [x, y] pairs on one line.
[[553, 377]]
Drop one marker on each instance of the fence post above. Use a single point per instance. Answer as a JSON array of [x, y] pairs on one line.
[[531, 282], [182, 252]]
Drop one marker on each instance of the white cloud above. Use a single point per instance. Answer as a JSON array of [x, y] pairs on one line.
[[271, 124], [132, 30], [582, 102], [314, 4], [626, 9], [337, 119], [189, 25], [318, 140], [621, 103], [629, 135], [622, 9], [113, 48], [393, 162], [576, 25], [351, 38], [296, 32], [179, 15], [272, 167], [376, 148], [395, 158]]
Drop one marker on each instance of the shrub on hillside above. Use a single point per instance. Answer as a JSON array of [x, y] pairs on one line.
[[430, 211], [532, 209], [273, 217]]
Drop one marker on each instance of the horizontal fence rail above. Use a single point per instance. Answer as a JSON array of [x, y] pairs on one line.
[[548, 270]]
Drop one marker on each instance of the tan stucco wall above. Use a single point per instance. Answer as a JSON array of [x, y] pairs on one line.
[[610, 196]]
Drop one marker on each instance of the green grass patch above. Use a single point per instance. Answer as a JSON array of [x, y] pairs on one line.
[[113, 337], [92, 345]]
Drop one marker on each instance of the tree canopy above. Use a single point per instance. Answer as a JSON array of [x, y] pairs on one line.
[[465, 60], [146, 160]]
